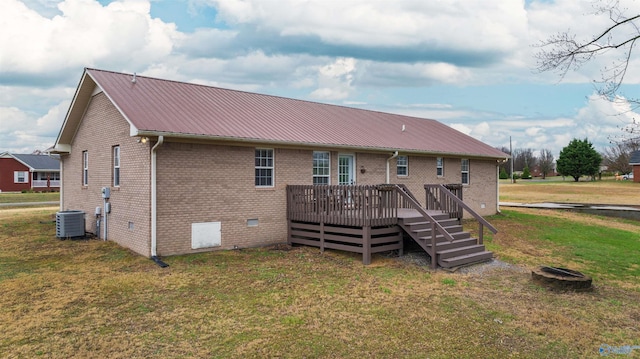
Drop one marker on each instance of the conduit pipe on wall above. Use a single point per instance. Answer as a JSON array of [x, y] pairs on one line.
[[395, 154], [154, 211]]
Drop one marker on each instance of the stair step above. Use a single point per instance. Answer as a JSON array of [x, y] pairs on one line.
[[457, 243], [460, 251], [437, 217], [465, 259], [450, 230], [441, 238], [444, 222]]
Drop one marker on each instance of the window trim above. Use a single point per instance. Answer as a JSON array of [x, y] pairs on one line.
[[327, 167], [23, 174], [404, 166], [116, 165], [258, 156], [439, 166], [465, 170], [85, 168]]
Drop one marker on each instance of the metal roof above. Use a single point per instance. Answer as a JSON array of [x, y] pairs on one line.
[[38, 162], [163, 107]]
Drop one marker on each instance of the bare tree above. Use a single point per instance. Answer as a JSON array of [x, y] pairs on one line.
[[523, 157], [545, 162], [506, 165], [617, 156], [563, 52]]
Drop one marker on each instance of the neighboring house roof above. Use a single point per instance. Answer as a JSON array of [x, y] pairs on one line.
[[156, 107], [36, 162], [634, 159]]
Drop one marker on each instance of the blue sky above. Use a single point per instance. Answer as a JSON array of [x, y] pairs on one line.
[[466, 63]]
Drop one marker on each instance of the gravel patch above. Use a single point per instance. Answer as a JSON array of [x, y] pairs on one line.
[[422, 259]]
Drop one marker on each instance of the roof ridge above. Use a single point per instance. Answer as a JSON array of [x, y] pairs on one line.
[[260, 94]]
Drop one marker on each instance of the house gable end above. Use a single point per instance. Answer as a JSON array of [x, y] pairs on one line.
[[87, 89]]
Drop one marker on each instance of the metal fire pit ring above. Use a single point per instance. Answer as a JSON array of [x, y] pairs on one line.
[[561, 278]]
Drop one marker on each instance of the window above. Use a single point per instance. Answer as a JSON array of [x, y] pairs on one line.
[[116, 166], [439, 167], [85, 168], [464, 169], [264, 167], [402, 163], [21, 177], [321, 165]]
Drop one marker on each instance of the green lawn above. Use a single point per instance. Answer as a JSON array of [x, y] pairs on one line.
[[29, 197], [90, 298]]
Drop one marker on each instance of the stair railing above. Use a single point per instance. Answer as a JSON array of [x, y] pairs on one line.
[[450, 197], [436, 227]]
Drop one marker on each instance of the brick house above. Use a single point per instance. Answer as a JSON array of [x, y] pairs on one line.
[[634, 161], [29, 172], [193, 168]]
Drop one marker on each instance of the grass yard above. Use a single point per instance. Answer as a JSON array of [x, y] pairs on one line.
[[597, 192], [94, 299], [29, 197]]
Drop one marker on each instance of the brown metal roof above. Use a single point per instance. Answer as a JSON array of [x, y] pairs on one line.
[[170, 108]]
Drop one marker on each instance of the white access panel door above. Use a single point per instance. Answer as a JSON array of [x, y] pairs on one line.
[[206, 235]]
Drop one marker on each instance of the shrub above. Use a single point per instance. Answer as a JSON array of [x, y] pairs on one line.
[[503, 174]]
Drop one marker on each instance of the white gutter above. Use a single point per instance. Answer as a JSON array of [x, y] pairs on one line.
[[395, 154], [498, 188], [154, 211]]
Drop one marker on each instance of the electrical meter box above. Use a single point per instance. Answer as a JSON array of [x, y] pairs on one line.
[[106, 192]]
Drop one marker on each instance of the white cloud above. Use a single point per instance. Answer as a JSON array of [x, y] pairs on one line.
[[496, 25], [121, 34], [334, 80]]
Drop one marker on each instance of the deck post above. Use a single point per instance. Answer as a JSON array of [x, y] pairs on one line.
[[321, 237], [434, 260], [366, 245], [288, 231]]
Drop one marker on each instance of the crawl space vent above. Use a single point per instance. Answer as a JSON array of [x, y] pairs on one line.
[[205, 235]]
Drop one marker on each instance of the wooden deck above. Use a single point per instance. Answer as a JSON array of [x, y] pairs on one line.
[[373, 219]]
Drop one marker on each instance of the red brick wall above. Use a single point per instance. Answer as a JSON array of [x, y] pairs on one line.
[[7, 167]]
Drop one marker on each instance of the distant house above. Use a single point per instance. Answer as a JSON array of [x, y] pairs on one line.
[[191, 168], [634, 161], [22, 172]]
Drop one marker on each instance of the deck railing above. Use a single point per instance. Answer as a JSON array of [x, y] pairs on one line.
[[346, 205], [45, 183], [448, 198], [438, 199]]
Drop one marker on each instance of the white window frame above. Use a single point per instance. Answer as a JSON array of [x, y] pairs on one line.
[[439, 166], [85, 168], [116, 166], [321, 172], [402, 162], [464, 171], [264, 160], [20, 176]]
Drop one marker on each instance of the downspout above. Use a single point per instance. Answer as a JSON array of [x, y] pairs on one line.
[[154, 210], [395, 154], [498, 188]]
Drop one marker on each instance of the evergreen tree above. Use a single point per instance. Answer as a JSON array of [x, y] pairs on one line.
[[579, 158], [526, 174], [503, 174]]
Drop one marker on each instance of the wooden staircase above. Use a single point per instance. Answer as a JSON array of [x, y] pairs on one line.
[[462, 250]]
